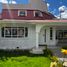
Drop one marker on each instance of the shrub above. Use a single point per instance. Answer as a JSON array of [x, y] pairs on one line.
[[48, 52], [56, 62], [54, 58]]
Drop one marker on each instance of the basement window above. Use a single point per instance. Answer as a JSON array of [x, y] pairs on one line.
[[22, 13], [14, 32], [38, 14]]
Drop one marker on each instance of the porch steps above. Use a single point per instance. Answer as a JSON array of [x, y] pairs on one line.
[[37, 51]]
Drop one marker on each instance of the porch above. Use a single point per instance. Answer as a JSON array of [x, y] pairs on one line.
[[52, 35]]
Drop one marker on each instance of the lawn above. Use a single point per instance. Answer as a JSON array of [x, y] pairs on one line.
[[23, 60]]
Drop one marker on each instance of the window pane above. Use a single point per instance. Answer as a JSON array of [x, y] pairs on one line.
[[7, 32], [22, 13], [2, 32], [20, 32], [51, 33], [38, 14], [26, 31], [14, 32]]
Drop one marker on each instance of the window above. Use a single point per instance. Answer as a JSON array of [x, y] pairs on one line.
[[38, 14], [14, 32], [45, 35], [22, 13], [7, 32], [51, 33], [61, 34], [20, 32]]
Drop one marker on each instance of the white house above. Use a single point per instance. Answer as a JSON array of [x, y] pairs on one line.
[[28, 26]]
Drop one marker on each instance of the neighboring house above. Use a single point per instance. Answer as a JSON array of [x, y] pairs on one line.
[[28, 26]]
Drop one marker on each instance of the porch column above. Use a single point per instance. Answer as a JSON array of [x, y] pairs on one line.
[[38, 28], [37, 39]]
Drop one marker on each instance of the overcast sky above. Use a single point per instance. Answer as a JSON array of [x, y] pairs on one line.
[[53, 5]]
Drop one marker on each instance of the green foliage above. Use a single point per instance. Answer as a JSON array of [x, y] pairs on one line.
[[48, 52], [24, 61], [19, 58], [55, 60], [60, 64]]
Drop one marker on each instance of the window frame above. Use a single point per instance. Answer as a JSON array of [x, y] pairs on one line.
[[14, 32], [40, 14], [22, 15]]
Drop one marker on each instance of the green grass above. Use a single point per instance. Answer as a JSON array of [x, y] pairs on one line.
[[24, 59]]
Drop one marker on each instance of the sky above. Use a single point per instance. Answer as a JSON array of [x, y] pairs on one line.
[[54, 6]]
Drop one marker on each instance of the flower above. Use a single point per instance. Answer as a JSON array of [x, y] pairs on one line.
[[64, 51], [53, 64]]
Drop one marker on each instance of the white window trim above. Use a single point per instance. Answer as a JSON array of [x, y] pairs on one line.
[[22, 10], [41, 15], [17, 36], [34, 13]]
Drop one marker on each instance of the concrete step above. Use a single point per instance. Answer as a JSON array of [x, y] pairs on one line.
[[37, 51]]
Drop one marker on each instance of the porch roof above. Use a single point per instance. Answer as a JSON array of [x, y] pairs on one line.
[[32, 21]]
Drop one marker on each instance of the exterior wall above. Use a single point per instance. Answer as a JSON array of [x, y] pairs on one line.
[[13, 14], [42, 36], [22, 43], [30, 41]]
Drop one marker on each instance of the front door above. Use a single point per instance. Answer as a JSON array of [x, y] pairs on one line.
[[42, 37]]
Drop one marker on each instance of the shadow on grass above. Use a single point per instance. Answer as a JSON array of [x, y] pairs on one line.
[[4, 54]]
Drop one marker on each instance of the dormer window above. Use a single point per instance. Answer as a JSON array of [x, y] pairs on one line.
[[22, 13], [38, 14]]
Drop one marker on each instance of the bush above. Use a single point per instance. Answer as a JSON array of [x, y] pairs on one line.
[[56, 62], [48, 52], [54, 58]]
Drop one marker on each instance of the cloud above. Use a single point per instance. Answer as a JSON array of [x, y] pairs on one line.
[[5, 1], [63, 12], [48, 4], [13, 2], [62, 8]]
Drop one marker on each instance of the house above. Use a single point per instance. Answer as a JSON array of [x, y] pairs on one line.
[[30, 25]]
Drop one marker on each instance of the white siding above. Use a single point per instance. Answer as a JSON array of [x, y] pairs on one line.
[[22, 43]]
